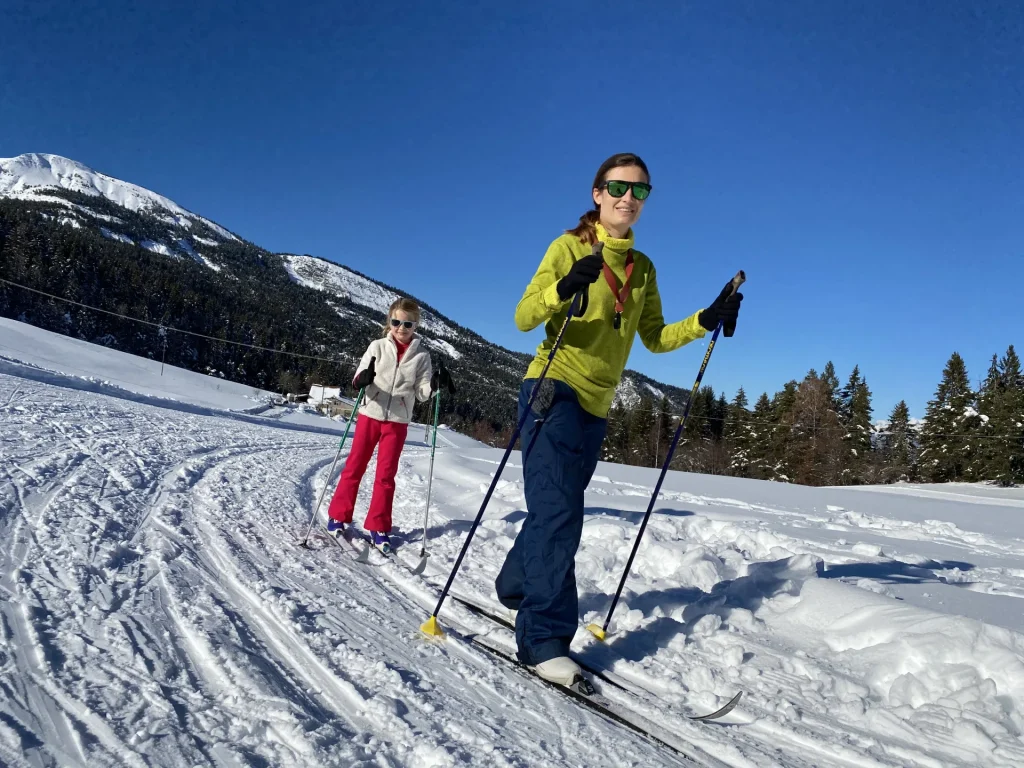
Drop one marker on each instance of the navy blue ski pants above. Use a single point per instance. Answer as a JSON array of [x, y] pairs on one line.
[[561, 446]]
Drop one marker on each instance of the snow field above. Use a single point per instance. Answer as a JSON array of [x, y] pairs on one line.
[[157, 610]]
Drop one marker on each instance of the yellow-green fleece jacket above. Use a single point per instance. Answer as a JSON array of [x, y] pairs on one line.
[[593, 354]]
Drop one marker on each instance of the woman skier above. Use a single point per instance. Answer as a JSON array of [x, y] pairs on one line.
[[396, 372], [562, 435]]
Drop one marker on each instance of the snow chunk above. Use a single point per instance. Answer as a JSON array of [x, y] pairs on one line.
[[868, 550]]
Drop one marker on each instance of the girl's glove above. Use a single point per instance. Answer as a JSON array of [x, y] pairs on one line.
[[365, 378], [442, 378]]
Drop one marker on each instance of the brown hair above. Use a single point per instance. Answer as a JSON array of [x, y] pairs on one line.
[[401, 305], [586, 230]]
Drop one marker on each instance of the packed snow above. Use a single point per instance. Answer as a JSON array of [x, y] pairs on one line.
[[29, 176], [157, 610]]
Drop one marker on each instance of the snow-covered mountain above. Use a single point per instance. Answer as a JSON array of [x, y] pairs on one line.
[[35, 176]]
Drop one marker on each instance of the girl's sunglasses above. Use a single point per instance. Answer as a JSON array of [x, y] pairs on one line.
[[618, 188], [395, 322]]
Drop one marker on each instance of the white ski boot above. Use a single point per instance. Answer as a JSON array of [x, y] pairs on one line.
[[560, 670]]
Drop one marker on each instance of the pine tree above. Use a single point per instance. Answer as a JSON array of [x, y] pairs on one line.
[[665, 428], [719, 414], [762, 434], [1000, 455], [1013, 377], [641, 434], [616, 442], [718, 452], [899, 452], [858, 434], [847, 394], [737, 435], [986, 458], [831, 382], [737, 414], [693, 453], [951, 423], [1013, 415], [780, 461]]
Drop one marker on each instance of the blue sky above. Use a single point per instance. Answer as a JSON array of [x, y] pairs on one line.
[[864, 164]]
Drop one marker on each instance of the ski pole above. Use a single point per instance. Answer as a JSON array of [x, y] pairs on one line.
[[430, 482], [316, 511], [599, 632], [430, 626]]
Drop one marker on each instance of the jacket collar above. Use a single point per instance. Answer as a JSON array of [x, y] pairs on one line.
[[413, 344], [615, 248]]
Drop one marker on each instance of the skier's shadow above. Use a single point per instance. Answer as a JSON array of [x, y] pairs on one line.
[[591, 512], [632, 516], [452, 526], [683, 607], [896, 572]]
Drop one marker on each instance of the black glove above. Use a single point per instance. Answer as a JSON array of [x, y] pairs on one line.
[[583, 273], [442, 378], [365, 377], [724, 310]]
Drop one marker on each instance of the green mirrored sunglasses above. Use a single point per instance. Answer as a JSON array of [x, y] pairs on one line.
[[618, 188]]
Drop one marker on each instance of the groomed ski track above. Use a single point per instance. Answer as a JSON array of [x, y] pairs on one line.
[[150, 570], [157, 611]]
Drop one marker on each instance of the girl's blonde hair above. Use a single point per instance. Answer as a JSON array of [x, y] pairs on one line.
[[408, 306]]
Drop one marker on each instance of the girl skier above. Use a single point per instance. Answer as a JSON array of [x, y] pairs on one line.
[[395, 371], [562, 435]]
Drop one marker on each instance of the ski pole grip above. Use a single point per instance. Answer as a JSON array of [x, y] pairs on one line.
[[740, 279]]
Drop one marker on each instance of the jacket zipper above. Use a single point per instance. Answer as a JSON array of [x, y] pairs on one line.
[[394, 377]]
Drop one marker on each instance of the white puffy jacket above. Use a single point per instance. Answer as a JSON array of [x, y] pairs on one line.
[[396, 386]]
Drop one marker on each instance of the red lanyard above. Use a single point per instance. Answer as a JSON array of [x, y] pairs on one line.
[[621, 294]]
